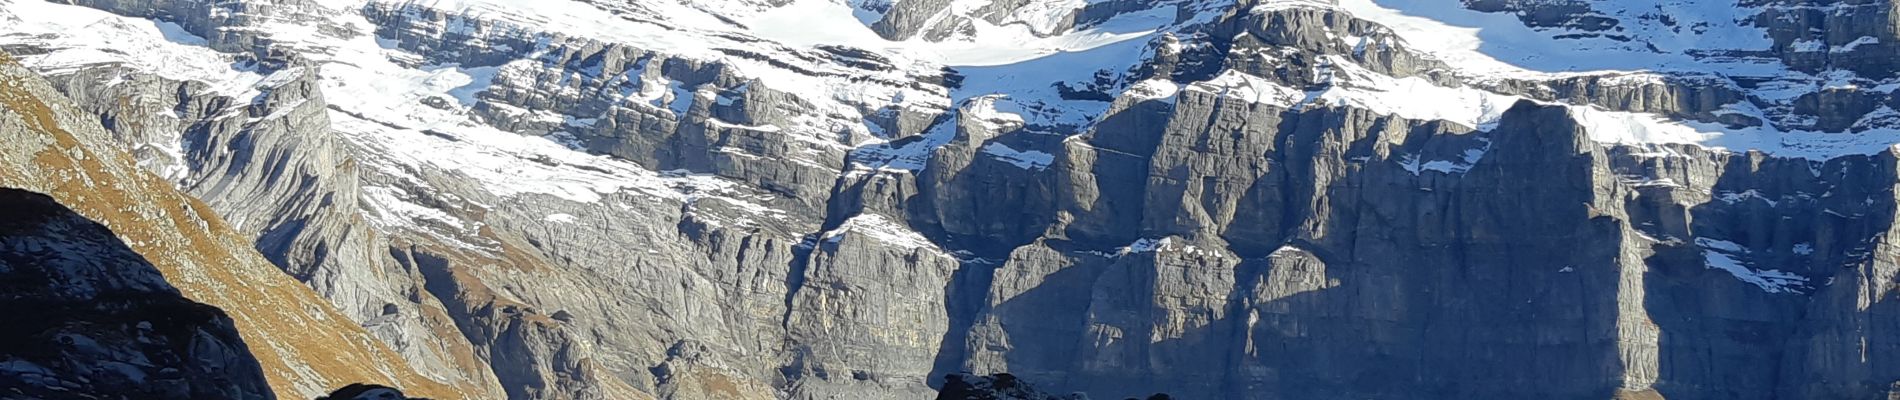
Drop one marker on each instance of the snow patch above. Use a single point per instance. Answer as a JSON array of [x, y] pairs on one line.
[[1153, 89], [162, 49], [1725, 255], [1151, 245], [880, 228], [1412, 97], [1024, 35], [1738, 197], [1249, 88], [1855, 45], [1025, 159], [1650, 129], [1498, 44], [1462, 165], [392, 207]]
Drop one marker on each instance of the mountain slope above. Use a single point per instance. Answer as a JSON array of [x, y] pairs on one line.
[[92, 319], [303, 345], [1215, 199]]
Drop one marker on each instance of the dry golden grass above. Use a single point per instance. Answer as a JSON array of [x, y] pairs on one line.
[[304, 345]]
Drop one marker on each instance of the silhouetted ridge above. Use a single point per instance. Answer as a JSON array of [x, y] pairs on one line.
[[89, 318]]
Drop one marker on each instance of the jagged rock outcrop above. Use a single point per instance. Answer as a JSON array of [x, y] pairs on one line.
[[363, 391], [1256, 224], [92, 318], [1270, 313], [301, 342], [1254, 199], [272, 167], [897, 316], [263, 155], [993, 387]]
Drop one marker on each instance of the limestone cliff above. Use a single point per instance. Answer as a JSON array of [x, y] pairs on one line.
[[816, 199], [303, 345]]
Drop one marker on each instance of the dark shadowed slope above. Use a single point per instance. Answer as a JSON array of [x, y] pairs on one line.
[[89, 318]]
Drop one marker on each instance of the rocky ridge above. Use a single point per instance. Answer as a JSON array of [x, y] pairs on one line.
[[1259, 199], [303, 345]]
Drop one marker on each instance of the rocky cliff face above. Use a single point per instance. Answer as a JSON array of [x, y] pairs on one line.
[[303, 345], [1214, 199]]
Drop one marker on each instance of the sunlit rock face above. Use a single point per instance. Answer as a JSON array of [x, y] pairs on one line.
[[153, 266], [1213, 199]]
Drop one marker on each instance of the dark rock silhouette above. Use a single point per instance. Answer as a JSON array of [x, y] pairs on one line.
[[1004, 386], [89, 318], [366, 391]]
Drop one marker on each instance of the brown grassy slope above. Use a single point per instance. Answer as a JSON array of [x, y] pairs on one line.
[[304, 345]]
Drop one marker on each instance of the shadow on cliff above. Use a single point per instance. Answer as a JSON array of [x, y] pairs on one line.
[[1346, 342], [86, 312], [1507, 282], [1015, 207], [1721, 336], [1497, 282], [1005, 205]]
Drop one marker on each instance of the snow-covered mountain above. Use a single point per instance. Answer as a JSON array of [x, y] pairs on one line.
[[686, 199]]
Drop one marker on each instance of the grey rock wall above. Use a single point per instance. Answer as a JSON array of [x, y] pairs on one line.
[[272, 166], [1197, 243]]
